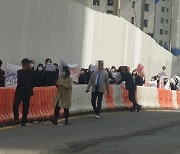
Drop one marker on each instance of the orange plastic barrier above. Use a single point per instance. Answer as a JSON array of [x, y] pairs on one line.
[[109, 99], [125, 96], [178, 98], [165, 98], [41, 104]]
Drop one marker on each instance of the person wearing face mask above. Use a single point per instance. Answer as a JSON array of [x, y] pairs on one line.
[[113, 71], [41, 76], [63, 96], [82, 77], [56, 70], [50, 72], [137, 78], [32, 64]]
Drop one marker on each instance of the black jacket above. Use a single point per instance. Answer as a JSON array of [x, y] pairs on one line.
[[26, 80], [2, 78], [128, 78], [138, 80]]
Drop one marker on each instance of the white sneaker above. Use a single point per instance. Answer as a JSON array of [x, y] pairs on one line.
[[97, 117]]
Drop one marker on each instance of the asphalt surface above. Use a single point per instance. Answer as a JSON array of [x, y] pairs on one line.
[[146, 132]]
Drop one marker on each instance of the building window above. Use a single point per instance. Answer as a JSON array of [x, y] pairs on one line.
[[167, 9], [132, 20], [133, 4], [109, 11], [110, 2], [160, 42], [147, 7], [166, 32], [161, 31], [96, 2], [162, 9], [167, 21], [145, 23], [162, 20]]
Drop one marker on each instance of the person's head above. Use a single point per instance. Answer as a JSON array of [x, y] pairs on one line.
[[66, 71], [40, 67], [134, 72], [153, 78], [113, 69], [100, 65], [164, 68], [56, 65], [82, 71], [25, 64], [48, 61], [107, 69], [32, 63], [1, 63]]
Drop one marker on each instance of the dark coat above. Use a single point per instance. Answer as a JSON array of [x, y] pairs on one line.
[[26, 80], [41, 78], [2, 78], [128, 78], [139, 80]]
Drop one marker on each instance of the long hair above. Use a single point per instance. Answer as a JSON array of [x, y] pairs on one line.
[[67, 71]]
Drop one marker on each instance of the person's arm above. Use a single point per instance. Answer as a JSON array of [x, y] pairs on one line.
[[90, 83], [107, 83], [68, 85]]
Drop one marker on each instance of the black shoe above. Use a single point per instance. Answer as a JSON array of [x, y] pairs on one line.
[[139, 108], [54, 121], [132, 109], [66, 122], [16, 122], [23, 124]]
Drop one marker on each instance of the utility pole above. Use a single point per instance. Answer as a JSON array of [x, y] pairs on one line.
[[117, 7]]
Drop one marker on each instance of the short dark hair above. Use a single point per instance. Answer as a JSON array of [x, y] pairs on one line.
[[1, 62], [40, 65], [25, 61], [48, 59], [67, 71], [55, 64]]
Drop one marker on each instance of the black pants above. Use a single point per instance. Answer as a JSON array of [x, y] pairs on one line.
[[56, 112], [97, 96], [132, 97], [25, 103]]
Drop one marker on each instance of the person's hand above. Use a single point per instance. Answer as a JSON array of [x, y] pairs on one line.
[[87, 90]]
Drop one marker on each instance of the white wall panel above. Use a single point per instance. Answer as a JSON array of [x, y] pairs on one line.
[[40, 29]]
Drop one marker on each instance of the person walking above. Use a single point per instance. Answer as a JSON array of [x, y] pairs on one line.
[[130, 86], [99, 82], [63, 96], [26, 80]]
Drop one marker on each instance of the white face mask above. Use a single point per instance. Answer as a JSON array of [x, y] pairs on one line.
[[40, 68], [31, 65], [48, 63]]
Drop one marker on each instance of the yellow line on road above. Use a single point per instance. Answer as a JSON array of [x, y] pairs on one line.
[[59, 121]]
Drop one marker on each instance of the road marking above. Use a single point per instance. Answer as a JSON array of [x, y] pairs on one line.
[[163, 110], [59, 121], [11, 127]]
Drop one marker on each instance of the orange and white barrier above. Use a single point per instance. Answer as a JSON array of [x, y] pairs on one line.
[[41, 105]]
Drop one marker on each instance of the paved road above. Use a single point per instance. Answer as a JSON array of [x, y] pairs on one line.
[[116, 132]]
